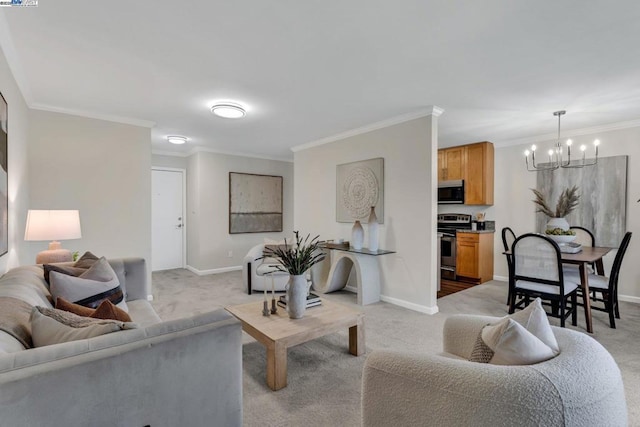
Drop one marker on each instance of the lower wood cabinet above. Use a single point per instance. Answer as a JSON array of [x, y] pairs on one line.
[[474, 256]]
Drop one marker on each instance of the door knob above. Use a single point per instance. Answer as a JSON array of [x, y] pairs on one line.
[[179, 226]]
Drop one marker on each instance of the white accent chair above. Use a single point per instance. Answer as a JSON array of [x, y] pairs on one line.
[[582, 386], [255, 272]]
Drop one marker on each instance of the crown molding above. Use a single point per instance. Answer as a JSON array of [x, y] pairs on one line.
[[13, 60], [570, 133], [200, 149], [424, 112], [92, 115]]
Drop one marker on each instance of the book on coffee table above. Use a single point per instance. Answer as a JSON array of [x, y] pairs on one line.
[[312, 300]]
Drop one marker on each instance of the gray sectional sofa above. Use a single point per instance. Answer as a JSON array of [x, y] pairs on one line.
[[185, 372]]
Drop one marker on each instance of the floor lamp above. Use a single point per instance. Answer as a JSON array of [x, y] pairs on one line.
[[53, 225]]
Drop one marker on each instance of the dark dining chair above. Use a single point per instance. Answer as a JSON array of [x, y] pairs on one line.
[[537, 272], [607, 286], [508, 237]]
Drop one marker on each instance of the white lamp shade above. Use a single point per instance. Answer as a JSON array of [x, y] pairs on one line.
[[52, 225]]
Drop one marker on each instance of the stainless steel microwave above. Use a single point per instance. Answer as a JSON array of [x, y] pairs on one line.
[[451, 192]]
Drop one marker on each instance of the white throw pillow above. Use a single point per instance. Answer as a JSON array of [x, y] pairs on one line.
[[535, 320], [512, 344]]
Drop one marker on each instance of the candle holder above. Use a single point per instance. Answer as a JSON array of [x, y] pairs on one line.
[[274, 309], [265, 308]]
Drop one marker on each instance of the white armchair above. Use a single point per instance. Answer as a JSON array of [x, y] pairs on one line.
[[581, 386], [254, 269]]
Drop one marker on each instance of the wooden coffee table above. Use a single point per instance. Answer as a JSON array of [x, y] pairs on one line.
[[277, 332]]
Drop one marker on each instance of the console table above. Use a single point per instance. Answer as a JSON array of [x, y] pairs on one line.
[[333, 275]]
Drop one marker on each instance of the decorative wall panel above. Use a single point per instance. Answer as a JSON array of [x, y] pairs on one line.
[[255, 203], [603, 197]]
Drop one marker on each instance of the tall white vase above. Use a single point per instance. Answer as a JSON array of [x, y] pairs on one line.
[[297, 290], [374, 238], [357, 235]]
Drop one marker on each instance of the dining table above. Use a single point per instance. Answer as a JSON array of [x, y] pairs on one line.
[[588, 255]]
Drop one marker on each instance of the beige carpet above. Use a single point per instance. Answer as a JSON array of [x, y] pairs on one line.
[[324, 379]]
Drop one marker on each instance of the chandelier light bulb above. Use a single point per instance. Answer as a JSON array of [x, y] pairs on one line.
[[596, 142], [533, 148], [569, 142], [550, 153], [583, 147], [527, 152]]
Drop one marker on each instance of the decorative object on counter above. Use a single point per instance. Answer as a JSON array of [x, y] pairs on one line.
[[357, 235], [374, 237], [359, 185], [296, 259], [480, 225], [556, 159], [557, 226]]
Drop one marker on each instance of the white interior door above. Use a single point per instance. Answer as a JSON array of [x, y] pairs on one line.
[[167, 188]]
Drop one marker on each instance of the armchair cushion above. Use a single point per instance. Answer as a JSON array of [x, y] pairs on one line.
[[512, 344]]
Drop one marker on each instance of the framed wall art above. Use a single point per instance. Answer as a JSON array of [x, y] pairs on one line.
[[602, 207], [359, 186], [4, 175], [255, 203]]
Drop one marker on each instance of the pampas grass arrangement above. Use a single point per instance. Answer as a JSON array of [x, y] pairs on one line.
[[567, 202]]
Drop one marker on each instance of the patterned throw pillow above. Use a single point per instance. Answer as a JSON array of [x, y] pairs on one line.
[[106, 310], [97, 284], [51, 326], [64, 269], [86, 260]]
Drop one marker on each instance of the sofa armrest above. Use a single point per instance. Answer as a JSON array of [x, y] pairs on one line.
[[461, 331], [182, 372]]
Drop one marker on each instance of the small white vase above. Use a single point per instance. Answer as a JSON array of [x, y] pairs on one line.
[[557, 223], [374, 238], [297, 290], [357, 235]]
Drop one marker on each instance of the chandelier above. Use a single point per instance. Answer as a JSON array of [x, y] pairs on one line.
[[556, 155]]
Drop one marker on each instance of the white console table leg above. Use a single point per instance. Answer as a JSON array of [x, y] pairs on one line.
[[367, 272]]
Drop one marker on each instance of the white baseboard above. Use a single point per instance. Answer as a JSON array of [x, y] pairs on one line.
[[150, 297], [629, 298], [399, 302], [501, 278], [213, 270], [410, 305]]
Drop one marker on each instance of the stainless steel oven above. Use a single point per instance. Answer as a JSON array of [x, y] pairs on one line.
[[448, 224], [448, 256]]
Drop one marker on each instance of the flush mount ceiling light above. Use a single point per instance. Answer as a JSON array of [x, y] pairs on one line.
[[228, 110], [556, 158], [175, 139]]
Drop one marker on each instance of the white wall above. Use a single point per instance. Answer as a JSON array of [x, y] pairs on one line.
[[18, 179], [409, 152], [513, 206], [177, 162], [99, 167], [208, 238]]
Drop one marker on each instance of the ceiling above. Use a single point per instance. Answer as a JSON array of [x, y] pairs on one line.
[[309, 70]]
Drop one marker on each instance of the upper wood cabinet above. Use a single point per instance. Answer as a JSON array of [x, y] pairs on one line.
[[474, 164], [451, 163]]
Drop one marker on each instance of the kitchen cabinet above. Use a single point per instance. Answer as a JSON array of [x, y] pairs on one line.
[[474, 164], [452, 163], [474, 256]]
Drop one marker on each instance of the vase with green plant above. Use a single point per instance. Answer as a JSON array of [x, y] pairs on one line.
[[557, 225], [296, 259]]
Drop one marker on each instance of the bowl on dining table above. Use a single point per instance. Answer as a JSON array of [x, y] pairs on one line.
[[562, 238]]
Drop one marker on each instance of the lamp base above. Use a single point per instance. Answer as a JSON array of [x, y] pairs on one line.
[[54, 255]]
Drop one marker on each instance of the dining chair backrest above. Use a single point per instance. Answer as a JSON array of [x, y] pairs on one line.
[[537, 258], [583, 236], [617, 261], [508, 237]]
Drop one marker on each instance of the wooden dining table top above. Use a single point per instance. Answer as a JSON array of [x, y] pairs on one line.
[[587, 254]]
